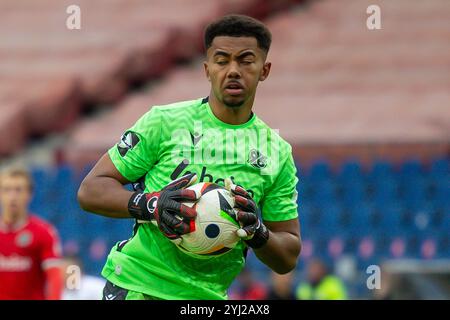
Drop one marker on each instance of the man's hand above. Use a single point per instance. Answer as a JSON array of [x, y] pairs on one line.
[[166, 208], [253, 231]]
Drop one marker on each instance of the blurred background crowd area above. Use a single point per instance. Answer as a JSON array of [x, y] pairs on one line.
[[366, 111]]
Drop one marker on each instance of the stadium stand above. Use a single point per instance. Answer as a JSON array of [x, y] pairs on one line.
[[372, 227], [327, 99], [50, 74]]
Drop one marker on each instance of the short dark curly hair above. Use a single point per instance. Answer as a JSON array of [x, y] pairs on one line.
[[236, 25]]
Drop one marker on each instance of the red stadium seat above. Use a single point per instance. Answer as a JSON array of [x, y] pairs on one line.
[[120, 44]]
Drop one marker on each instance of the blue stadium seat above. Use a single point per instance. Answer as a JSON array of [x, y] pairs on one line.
[[330, 216], [65, 183], [43, 188], [350, 172], [438, 216], [120, 229], [408, 218], [443, 245], [384, 190], [66, 228], [352, 193], [411, 168], [440, 167], [380, 170], [305, 216], [388, 218], [99, 227], [441, 194], [301, 172], [443, 224], [360, 219], [320, 171], [323, 194]]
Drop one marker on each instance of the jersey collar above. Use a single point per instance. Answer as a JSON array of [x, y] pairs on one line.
[[205, 101]]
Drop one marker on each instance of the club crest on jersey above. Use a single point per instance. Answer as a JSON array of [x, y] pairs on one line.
[[257, 159], [24, 239], [127, 142]]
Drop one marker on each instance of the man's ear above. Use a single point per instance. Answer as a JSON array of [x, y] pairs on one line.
[[265, 71], [205, 65]]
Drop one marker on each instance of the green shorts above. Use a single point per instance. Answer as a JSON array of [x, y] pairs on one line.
[[113, 292]]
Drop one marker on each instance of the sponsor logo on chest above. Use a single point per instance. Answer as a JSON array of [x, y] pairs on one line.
[[15, 263]]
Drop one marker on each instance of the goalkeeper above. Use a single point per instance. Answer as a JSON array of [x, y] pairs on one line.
[[154, 154]]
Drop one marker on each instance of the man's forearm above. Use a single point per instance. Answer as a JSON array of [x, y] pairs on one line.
[[55, 283], [281, 251], [105, 196]]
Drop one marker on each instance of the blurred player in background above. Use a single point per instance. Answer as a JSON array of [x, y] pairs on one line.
[[281, 287], [30, 248], [249, 288], [321, 285], [149, 265]]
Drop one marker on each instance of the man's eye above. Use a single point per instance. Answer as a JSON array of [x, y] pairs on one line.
[[221, 62], [247, 61]]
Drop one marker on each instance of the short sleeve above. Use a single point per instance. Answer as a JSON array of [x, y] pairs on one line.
[[280, 200], [138, 148], [50, 252]]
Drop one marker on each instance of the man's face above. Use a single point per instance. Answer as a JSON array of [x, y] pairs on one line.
[[15, 194], [234, 67], [316, 271]]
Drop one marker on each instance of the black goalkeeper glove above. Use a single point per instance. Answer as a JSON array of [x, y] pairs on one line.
[[165, 206], [253, 231]]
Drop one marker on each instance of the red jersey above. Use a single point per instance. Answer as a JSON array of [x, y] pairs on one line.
[[26, 251], [256, 291]]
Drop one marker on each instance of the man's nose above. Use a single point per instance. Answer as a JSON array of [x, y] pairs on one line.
[[13, 194], [234, 71]]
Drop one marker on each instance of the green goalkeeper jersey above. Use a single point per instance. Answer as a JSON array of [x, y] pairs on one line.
[[170, 141]]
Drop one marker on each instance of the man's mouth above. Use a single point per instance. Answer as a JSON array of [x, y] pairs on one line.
[[234, 88]]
